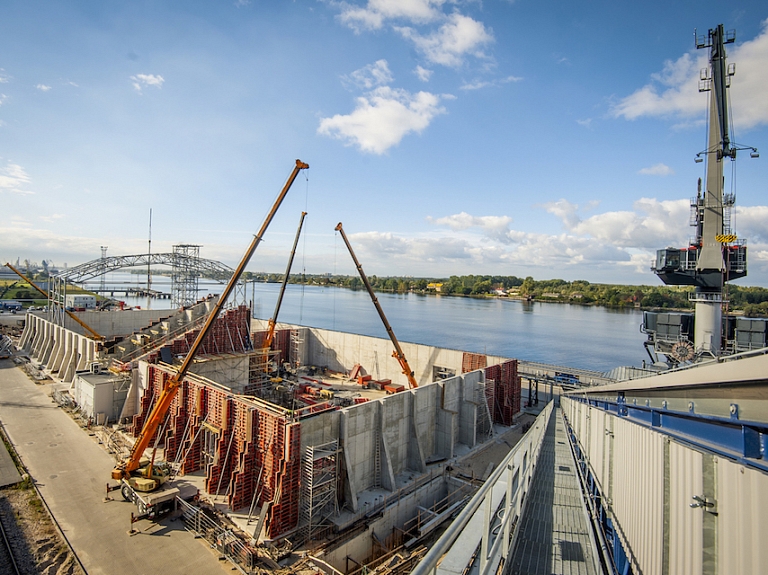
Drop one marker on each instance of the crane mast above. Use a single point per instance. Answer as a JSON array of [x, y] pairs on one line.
[[163, 403], [273, 320], [716, 256], [398, 353]]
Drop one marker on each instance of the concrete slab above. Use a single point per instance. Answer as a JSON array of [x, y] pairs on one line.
[[71, 471]]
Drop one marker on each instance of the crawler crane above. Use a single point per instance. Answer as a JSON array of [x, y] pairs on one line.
[[137, 474], [398, 353]]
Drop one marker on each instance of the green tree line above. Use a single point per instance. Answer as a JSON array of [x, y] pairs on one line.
[[753, 301]]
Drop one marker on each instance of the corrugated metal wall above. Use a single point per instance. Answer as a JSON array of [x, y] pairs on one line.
[[649, 482]]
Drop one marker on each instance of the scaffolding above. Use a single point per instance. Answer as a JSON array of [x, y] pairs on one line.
[[484, 398], [319, 479], [297, 348], [184, 275]]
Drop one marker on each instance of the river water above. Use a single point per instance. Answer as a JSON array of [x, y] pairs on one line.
[[586, 337]]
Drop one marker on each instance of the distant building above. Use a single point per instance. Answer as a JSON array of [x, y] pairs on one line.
[[436, 287], [81, 301]]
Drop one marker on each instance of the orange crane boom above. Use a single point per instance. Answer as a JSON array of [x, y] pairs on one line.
[[273, 320], [159, 411], [85, 326], [398, 353]]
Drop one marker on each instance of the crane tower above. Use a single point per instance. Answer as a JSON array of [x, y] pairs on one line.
[[715, 255]]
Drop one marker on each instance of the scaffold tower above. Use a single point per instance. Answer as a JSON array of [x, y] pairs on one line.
[[319, 478], [184, 275]]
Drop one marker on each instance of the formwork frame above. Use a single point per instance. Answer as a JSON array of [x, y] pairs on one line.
[[256, 450]]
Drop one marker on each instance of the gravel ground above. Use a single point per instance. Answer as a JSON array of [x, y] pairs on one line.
[[38, 547]]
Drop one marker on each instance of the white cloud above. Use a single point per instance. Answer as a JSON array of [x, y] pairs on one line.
[[604, 244], [479, 84], [141, 81], [673, 92], [13, 179], [3, 98], [586, 122], [382, 118], [423, 74], [751, 223], [52, 217], [4, 78], [370, 76], [494, 226], [650, 225], [377, 12], [43, 87], [657, 170], [458, 37]]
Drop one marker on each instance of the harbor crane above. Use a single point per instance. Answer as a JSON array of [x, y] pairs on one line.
[[134, 474], [398, 353], [268, 339], [716, 255]]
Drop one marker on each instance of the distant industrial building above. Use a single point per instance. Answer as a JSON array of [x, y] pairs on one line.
[[81, 301]]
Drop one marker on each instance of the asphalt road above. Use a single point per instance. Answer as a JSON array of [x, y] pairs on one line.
[[72, 470]]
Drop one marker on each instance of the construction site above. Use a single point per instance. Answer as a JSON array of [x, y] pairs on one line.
[[277, 443], [325, 456]]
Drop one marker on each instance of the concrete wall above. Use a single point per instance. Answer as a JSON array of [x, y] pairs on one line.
[[405, 432], [229, 370], [404, 509], [61, 350], [340, 351]]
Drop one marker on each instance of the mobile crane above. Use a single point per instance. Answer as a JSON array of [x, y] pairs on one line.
[[136, 474], [398, 353], [268, 339]]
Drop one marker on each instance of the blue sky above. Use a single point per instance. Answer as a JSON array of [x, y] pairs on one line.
[[515, 138]]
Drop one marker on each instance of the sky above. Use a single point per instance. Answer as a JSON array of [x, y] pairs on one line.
[[544, 139]]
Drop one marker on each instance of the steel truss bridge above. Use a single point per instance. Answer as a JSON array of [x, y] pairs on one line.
[[187, 267]]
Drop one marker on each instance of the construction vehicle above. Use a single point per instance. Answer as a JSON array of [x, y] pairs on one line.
[[139, 475], [86, 327], [269, 338], [398, 353]]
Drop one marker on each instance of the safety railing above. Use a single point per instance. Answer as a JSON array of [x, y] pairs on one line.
[[499, 520], [195, 519]]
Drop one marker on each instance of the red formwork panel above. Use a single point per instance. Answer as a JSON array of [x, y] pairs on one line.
[[506, 391], [281, 343], [257, 451], [473, 361], [229, 334]]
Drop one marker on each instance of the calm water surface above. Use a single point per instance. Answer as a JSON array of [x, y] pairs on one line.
[[562, 334]]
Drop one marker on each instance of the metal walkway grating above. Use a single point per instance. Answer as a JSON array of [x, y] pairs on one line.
[[554, 532]]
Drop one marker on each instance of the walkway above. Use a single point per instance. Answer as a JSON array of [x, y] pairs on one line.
[[554, 534]]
